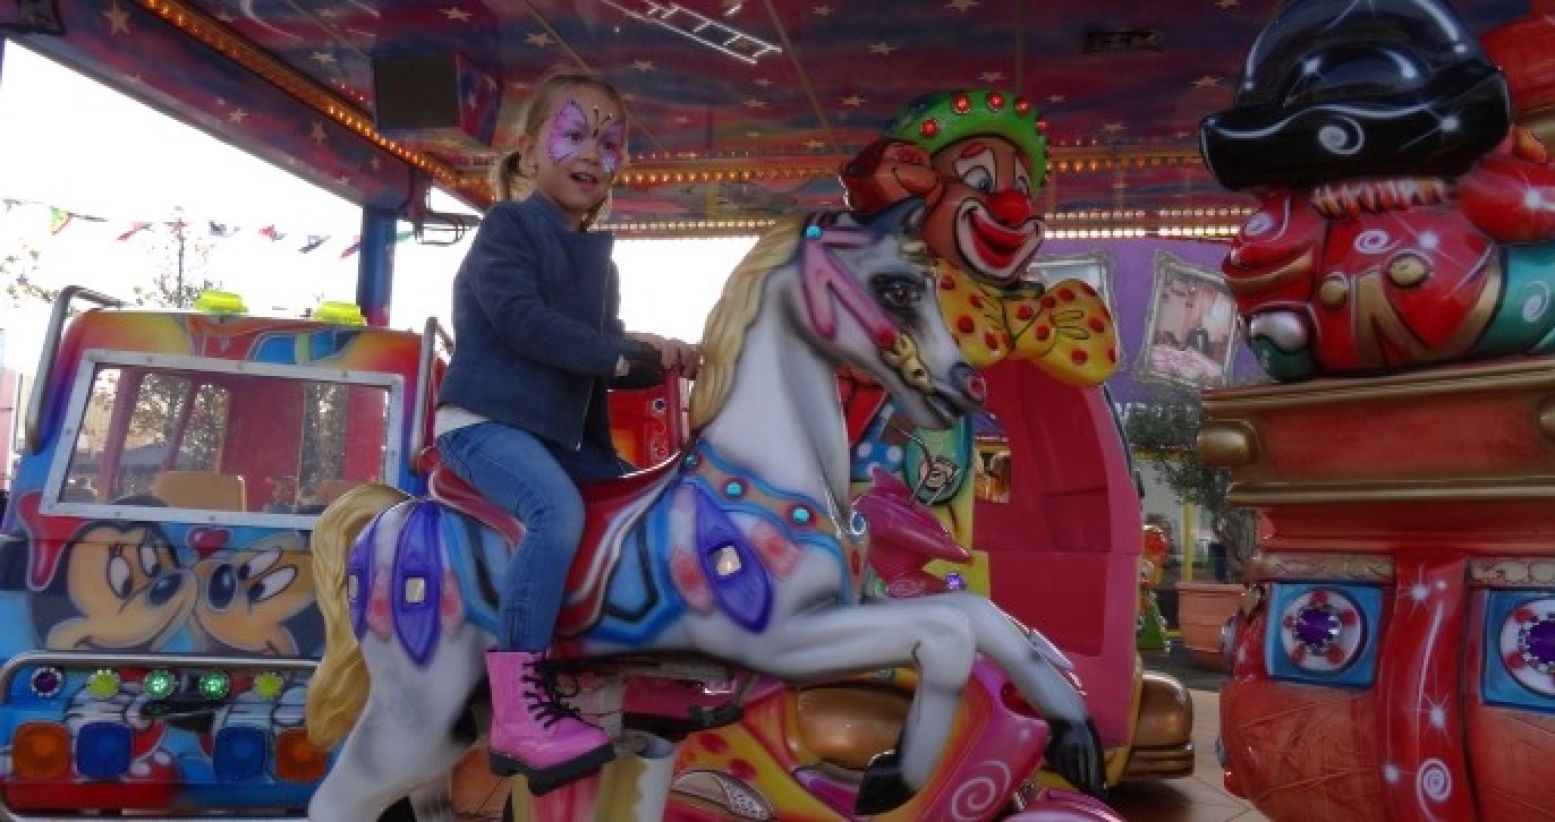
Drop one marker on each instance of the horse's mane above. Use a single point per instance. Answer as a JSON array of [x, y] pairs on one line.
[[736, 308]]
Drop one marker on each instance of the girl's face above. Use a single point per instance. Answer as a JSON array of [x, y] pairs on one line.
[[578, 150]]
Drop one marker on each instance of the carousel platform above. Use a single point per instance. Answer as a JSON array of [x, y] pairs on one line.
[[1198, 798]]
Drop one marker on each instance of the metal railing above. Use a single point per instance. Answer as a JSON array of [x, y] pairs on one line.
[[431, 334]]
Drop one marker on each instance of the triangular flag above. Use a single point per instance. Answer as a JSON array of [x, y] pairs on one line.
[[58, 219], [135, 228], [222, 229], [314, 241], [351, 248], [269, 233]]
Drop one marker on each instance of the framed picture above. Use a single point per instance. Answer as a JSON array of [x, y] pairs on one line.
[[1093, 268], [1190, 327]]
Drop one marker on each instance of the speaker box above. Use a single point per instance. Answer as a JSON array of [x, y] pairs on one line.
[[435, 99]]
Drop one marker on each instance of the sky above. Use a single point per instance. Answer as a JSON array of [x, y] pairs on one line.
[[71, 143]]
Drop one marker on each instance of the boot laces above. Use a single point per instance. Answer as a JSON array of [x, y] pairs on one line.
[[545, 695]]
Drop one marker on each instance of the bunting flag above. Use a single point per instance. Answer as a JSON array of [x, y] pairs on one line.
[[61, 218], [136, 228], [58, 219]]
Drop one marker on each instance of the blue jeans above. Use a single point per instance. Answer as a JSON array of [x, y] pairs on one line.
[[537, 481]]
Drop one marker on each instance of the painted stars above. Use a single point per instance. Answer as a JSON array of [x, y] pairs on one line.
[[643, 66], [962, 6], [991, 77], [1228, 4], [323, 58], [316, 133], [754, 104], [1207, 81], [237, 116], [539, 40], [1435, 713], [814, 145], [454, 14], [1056, 98], [118, 20], [853, 101], [882, 48], [821, 11]]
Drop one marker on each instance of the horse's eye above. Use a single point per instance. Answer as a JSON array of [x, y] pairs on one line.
[[899, 293]]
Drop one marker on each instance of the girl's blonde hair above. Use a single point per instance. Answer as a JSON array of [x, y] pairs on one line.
[[507, 176]]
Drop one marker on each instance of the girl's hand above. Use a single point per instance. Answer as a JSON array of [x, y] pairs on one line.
[[674, 354]]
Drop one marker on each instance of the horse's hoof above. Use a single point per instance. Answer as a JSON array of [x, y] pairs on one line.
[[544, 780], [883, 788]]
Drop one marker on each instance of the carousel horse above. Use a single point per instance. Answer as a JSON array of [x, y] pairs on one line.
[[745, 549]]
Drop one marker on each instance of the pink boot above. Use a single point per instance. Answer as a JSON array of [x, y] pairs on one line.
[[533, 732]]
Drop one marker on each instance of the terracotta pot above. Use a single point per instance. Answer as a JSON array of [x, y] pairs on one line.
[[1203, 608]]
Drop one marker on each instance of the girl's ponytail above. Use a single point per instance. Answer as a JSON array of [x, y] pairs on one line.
[[507, 178]]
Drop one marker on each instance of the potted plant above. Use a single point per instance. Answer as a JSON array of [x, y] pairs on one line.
[[1165, 429]]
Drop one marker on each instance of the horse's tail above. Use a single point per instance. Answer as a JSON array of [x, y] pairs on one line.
[[338, 690]]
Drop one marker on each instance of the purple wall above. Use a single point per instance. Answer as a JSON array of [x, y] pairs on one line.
[[1132, 283]]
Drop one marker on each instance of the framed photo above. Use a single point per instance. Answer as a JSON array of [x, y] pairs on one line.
[[1190, 327], [1093, 268]]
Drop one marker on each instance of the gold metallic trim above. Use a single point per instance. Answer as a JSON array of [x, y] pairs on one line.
[[1449, 489], [213, 33], [1336, 567], [1544, 417], [1512, 572], [1228, 443], [1299, 266], [1443, 381]]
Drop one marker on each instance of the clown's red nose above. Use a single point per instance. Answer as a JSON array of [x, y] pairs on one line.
[[1010, 207]]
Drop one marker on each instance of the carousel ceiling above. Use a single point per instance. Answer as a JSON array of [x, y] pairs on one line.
[[743, 109]]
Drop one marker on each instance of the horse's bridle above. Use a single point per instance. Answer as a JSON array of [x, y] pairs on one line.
[[822, 277]]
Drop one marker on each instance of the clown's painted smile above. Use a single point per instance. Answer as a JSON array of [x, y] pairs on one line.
[[996, 252]]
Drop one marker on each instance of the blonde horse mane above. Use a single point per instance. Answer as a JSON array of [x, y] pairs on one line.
[[338, 690], [736, 308]]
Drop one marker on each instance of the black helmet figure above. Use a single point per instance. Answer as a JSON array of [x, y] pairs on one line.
[[1342, 89]]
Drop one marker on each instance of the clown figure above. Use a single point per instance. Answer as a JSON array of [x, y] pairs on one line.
[[977, 158]]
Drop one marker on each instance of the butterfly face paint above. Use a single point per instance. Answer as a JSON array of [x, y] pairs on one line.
[[571, 130]]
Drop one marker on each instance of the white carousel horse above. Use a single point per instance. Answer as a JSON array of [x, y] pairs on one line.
[[746, 551]]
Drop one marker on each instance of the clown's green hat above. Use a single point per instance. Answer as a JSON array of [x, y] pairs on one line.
[[940, 118]]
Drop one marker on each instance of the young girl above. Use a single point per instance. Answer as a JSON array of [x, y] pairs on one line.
[[522, 413]]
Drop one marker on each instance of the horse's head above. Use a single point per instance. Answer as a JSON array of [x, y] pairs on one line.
[[866, 298]]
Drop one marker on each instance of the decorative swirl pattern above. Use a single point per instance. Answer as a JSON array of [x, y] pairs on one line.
[[1259, 224], [1374, 241], [1343, 136], [984, 787], [1433, 782]]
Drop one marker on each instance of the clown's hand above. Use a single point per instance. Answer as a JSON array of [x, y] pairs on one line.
[[888, 171]]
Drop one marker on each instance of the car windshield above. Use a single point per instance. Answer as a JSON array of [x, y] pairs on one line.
[[222, 441]]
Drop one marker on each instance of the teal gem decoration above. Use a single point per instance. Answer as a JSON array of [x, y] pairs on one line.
[[734, 489], [1525, 318], [812, 232], [801, 514]]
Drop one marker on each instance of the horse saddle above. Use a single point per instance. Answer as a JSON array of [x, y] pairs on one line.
[[597, 556]]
